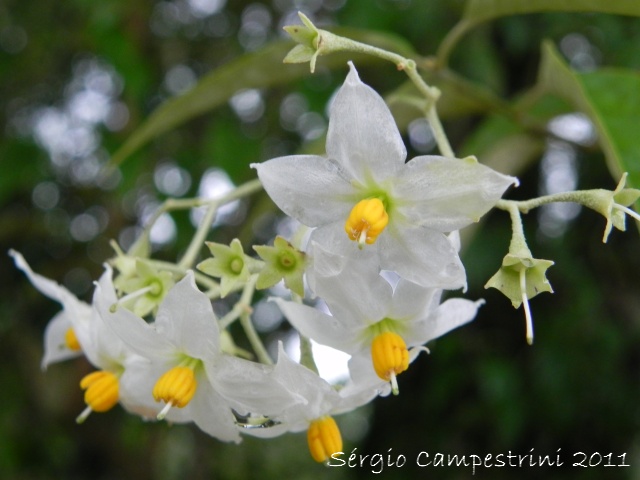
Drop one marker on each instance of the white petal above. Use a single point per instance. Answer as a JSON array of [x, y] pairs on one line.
[[411, 301], [55, 347], [333, 239], [363, 375], [76, 314], [331, 247], [47, 287], [358, 296], [422, 256], [249, 386], [315, 396], [105, 350], [136, 387], [140, 336], [186, 318], [309, 188], [321, 327], [363, 137], [447, 194], [450, 315], [210, 411]]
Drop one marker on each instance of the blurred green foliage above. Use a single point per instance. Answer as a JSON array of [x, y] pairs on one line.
[[483, 390]]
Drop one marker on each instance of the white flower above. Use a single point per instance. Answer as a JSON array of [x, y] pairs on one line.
[[79, 329], [370, 319], [119, 367], [68, 331], [187, 369], [318, 403], [363, 194]]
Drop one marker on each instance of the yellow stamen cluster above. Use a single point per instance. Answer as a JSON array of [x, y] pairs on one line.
[[101, 390], [324, 438], [71, 341], [176, 387], [367, 220], [390, 357]]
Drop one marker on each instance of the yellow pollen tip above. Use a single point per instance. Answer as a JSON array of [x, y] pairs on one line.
[[101, 390], [324, 439], [367, 220], [390, 356], [71, 341], [176, 387]]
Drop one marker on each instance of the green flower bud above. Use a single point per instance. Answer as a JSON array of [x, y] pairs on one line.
[[312, 42], [282, 262], [613, 205]]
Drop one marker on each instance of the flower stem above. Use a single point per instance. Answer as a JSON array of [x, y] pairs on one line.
[[518, 245], [197, 241], [409, 67], [247, 325]]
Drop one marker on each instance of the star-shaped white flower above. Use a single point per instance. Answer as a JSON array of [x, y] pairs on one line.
[[120, 369], [366, 201], [187, 369], [78, 330], [68, 331], [370, 319]]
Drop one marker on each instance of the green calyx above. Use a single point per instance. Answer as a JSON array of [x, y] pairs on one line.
[[612, 204], [145, 287], [312, 42], [229, 264], [281, 262], [507, 278]]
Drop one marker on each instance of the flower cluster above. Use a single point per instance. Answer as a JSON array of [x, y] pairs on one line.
[[383, 249]]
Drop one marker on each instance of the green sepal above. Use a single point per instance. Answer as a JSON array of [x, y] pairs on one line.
[[507, 278], [145, 276], [282, 262], [605, 201], [229, 264]]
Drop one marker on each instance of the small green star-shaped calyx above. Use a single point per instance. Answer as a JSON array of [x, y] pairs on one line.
[[282, 262], [146, 287], [507, 278], [612, 205], [229, 264], [125, 263], [312, 42]]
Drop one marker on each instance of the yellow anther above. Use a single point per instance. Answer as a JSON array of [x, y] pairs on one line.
[[366, 221], [71, 341], [101, 390], [390, 357], [324, 438], [176, 388]]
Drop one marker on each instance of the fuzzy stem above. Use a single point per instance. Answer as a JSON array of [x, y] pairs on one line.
[[205, 225], [409, 67], [583, 197], [247, 325]]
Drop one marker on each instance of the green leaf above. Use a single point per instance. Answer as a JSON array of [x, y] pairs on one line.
[[260, 69], [611, 98], [478, 11]]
